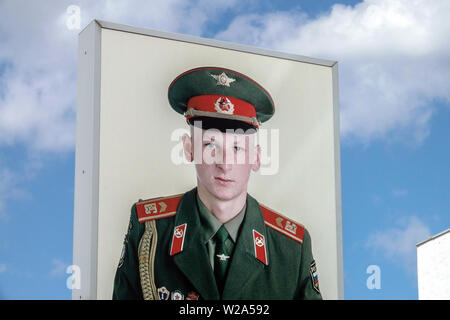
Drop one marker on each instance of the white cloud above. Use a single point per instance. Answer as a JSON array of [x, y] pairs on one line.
[[9, 189], [6, 178], [265, 30], [38, 60], [394, 59], [398, 244], [38, 109], [38, 71], [188, 17], [38, 78], [58, 267], [399, 192]]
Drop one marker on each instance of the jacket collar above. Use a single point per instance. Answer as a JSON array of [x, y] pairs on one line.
[[193, 260], [245, 266]]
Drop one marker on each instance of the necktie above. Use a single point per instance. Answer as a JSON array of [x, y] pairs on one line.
[[222, 256]]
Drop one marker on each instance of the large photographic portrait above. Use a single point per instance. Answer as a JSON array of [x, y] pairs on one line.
[[144, 190]]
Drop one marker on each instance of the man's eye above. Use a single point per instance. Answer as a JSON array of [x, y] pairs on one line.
[[210, 145], [237, 148]]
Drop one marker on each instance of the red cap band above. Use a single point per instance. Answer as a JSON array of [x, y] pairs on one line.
[[221, 104]]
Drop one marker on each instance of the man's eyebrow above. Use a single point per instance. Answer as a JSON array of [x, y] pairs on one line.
[[242, 139]]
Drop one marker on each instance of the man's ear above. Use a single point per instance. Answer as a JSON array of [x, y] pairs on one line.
[[257, 161], [188, 147]]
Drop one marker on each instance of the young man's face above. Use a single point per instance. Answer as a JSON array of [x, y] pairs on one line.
[[223, 161]]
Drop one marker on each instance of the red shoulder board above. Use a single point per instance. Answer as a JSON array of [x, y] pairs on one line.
[[283, 224], [157, 208]]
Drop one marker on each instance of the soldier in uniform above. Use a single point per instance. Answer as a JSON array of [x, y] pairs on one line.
[[216, 241]]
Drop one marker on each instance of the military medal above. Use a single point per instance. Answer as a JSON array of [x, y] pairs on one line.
[[179, 233], [176, 295], [260, 247], [163, 293], [192, 296]]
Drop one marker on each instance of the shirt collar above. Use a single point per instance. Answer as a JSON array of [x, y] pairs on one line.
[[211, 224]]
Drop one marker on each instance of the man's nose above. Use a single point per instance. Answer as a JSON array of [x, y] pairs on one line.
[[226, 160]]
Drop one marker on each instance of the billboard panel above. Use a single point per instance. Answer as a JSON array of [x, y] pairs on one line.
[[128, 142]]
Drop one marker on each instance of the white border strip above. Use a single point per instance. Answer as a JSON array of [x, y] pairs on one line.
[[86, 191], [337, 184]]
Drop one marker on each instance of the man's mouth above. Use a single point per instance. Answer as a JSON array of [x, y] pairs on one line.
[[223, 180]]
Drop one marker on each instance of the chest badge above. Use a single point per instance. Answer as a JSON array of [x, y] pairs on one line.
[[163, 293], [222, 257], [176, 295], [192, 295]]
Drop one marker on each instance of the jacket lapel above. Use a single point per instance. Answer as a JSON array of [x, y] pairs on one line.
[[193, 260], [245, 266]]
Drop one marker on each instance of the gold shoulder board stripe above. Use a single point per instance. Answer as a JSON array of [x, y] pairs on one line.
[[157, 208], [280, 223]]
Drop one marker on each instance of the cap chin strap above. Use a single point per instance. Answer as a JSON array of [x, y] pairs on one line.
[[198, 113]]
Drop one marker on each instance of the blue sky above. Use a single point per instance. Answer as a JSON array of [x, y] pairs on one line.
[[394, 69]]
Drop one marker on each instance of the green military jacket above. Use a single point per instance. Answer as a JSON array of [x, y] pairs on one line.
[[279, 267]]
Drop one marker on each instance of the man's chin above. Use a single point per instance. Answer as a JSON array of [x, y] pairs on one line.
[[225, 194]]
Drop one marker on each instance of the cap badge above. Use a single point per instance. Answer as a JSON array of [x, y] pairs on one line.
[[224, 105], [222, 79]]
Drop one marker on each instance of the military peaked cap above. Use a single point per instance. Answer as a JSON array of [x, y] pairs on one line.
[[221, 98]]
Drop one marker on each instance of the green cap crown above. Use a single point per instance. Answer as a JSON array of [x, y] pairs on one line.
[[221, 82]]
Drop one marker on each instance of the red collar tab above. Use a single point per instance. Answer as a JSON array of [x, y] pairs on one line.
[[282, 224], [157, 208], [179, 233], [259, 242]]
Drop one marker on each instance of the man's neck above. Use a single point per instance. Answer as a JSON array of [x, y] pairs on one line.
[[223, 210]]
